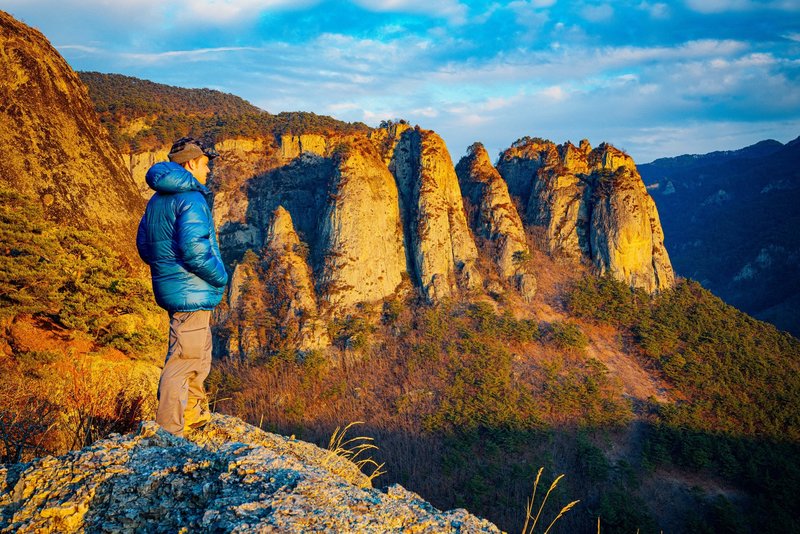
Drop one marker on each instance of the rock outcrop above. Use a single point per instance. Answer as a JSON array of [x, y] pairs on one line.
[[54, 147], [361, 234], [520, 162], [299, 186], [287, 262], [591, 203], [276, 283], [442, 253], [386, 138], [625, 233], [229, 477], [495, 217], [138, 164], [294, 145]]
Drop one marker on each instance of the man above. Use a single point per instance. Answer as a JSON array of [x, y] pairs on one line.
[[176, 238]]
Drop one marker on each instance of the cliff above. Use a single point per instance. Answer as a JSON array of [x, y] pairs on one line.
[[494, 217], [54, 148], [591, 204], [442, 253], [228, 477], [361, 234]]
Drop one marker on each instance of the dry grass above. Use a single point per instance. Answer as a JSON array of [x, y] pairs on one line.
[[352, 448], [530, 526]]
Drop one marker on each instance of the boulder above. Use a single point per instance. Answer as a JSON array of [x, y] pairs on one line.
[[227, 477]]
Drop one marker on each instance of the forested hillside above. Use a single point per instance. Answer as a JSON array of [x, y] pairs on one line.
[[466, 400], [142, 115], [731, 220]]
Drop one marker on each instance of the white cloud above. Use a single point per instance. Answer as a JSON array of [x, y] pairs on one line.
[[529, 15], [721, 6], [451, 10], [427, 112], [221, 12], [554, 92], [198, 54], [597, 13], [658, 10], [81, 48]]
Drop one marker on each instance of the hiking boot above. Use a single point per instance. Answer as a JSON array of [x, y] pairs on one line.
[[197, 418]]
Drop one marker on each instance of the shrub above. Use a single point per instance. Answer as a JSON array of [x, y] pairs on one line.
[[567, 336], [69, 276]]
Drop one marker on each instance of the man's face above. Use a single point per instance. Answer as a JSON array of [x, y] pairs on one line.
[[199, 168]]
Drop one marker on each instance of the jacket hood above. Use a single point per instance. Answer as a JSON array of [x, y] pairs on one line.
[[169, 177]]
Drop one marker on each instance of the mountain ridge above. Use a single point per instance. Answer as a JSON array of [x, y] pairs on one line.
[[731, 217]]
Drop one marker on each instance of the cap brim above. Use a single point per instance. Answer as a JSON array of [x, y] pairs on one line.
[[188, 152]]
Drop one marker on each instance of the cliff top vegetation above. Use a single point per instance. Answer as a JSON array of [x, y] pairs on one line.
[[142, 115]]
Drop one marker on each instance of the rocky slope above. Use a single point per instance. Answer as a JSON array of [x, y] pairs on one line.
[[731, 218], [55, 148], [592, 204], [229, 477]]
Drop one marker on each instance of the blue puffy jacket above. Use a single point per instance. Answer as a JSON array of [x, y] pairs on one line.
[[176, 238]]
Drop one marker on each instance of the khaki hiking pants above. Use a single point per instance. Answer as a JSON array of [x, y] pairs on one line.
[[180, 389]]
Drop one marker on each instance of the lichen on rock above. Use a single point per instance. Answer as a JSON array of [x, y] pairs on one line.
[[227, 477]]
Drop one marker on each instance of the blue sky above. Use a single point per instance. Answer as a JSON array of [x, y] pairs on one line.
[[655, 78]]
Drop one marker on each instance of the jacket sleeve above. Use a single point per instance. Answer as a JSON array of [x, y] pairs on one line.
[[141, 240], [194, 234]]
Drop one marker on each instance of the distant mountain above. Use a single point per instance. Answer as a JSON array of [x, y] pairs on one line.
[[117, 94], [143, 115], [731, 221]]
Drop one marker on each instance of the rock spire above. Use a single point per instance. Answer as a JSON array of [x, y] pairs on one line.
[[495, 217], [442, 253], [591, 203]]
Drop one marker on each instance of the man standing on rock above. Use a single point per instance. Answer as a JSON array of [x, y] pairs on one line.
[[176, 238]]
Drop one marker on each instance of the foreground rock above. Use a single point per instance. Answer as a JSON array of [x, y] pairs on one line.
[[230, 477]]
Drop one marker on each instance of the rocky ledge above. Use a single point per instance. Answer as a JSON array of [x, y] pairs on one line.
[[228, 477]]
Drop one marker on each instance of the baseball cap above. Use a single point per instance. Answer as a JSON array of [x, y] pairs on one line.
[[188, 148]]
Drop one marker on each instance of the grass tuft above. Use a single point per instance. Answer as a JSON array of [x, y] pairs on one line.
[[529, 527], [352, 448]]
